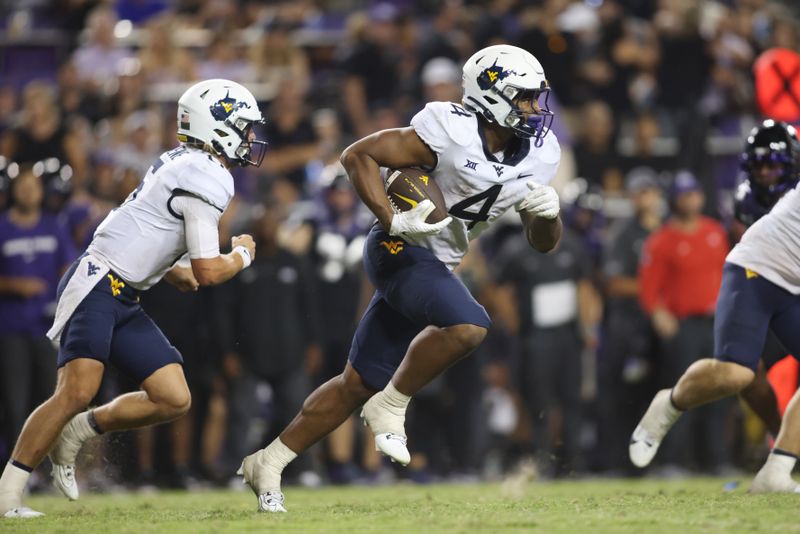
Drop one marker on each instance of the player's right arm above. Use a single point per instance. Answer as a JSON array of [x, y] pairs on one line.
[[201, 224], [395, 148]]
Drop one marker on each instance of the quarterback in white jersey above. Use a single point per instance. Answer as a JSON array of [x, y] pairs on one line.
[[174, 213], [490, 155], [760, 291]]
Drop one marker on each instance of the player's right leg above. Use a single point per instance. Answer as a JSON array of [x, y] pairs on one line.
[[324, 410], [744, 308], [78, 382], [776, 474]]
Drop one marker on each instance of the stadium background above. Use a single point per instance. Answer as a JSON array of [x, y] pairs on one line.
[[643, 89]]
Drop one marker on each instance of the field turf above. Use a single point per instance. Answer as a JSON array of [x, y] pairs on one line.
[[641, 506]]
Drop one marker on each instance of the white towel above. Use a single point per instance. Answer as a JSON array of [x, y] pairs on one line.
[[90, 270]]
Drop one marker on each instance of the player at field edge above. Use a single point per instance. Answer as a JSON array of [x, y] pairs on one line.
[[494, 153], [172, 215], [760, 291]]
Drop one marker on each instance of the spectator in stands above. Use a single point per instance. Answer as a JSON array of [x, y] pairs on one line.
[[142, 144], [628, 354], [292, 141], [35, 249], [679, 277], [99, 58], [595, 157], [272, 335], [559, 311], [226, 59], [441, 81], [649, 146], [277, 59], [161, 59], [40, 133], [370, 66]]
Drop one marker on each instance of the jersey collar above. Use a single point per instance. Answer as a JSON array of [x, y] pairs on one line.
[[516, 150]]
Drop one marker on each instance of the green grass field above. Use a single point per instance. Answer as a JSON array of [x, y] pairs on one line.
[[642, 506]]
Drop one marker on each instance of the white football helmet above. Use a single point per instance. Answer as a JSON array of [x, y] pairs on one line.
[[497, 79], [221, 114]]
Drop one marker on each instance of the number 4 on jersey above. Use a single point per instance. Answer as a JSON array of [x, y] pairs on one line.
[[488, 197]]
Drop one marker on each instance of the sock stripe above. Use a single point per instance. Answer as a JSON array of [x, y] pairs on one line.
[[782, 452], [22, 466], [93, 422], [672, 401]]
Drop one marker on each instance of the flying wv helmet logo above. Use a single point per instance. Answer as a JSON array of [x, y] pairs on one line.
[[491, 75], [222, 109]]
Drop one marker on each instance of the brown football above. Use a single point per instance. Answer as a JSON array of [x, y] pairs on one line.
[[409, 186]]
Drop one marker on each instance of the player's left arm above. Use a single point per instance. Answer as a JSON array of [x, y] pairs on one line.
[[543, 234], [394, 148], [539, 213]]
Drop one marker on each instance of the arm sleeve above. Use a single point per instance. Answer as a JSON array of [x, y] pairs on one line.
[[201, 224]]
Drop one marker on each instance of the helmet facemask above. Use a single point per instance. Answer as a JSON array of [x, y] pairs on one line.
[[534, 124], [243, 127]]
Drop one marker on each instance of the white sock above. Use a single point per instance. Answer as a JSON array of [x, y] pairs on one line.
[[12, 485], [780, 464], [394, 400], [82, 427], [274, 458]]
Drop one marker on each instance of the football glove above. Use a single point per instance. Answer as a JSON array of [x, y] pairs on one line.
[[412, 223], [542, 201]]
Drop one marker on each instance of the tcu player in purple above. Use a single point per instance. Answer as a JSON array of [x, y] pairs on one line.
[[490, 155]]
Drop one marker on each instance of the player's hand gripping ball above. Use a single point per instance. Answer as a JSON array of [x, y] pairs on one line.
[[418, 203]]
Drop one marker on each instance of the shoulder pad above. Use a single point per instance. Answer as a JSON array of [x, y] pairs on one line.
[[204, 177], [442, 123]]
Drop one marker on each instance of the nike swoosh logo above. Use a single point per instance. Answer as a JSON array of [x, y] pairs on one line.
[[413, 203], [521, 176]]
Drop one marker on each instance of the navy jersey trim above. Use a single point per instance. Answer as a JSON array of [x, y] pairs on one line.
[[516, 150], [183, 193]]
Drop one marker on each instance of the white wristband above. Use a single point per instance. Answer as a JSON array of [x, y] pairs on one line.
[[244, 252]]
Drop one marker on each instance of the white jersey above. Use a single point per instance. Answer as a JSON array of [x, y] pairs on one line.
[[143, 238], [478, 187], [771, 247]]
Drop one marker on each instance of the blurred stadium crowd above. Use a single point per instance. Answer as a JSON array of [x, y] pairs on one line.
[[653, 101]]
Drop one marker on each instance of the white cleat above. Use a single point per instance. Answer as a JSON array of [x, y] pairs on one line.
[[23, 512], [271, 502], [650, 431], [63, 457], [252, 475], [64, 480], [389, 431], [393, 446], [770, 482]]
